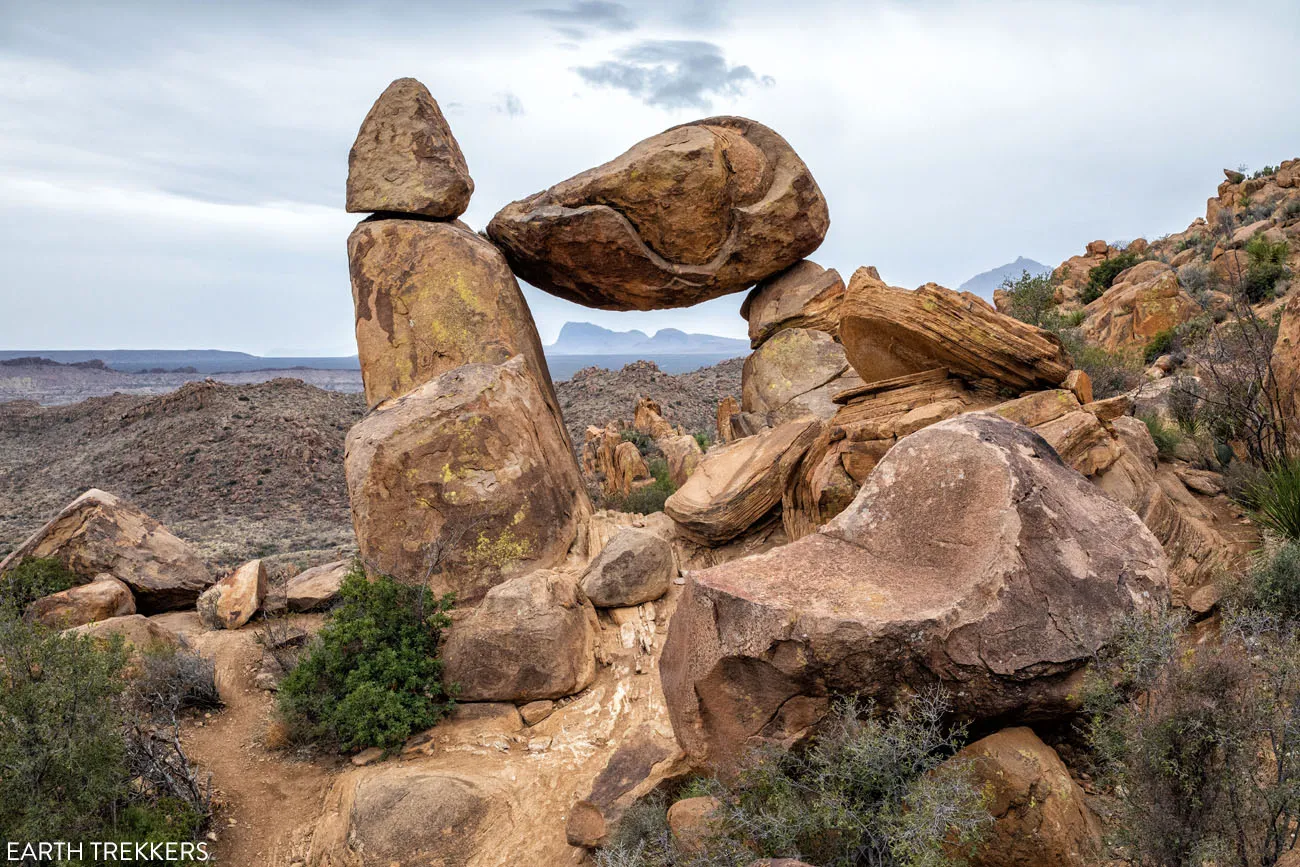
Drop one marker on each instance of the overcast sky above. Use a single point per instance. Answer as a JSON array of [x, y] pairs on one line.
[[172, 174]]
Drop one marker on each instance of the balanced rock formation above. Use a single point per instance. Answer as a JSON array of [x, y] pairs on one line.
[[1039, 815], [232, 601], [889, 332], [405, 158], [635, 566], [531, 638], [101, 599], [430, 297], [737, 484], [466, 481], [99, 533], [805, 295], [1144, 301], [701, 210], [972, 558]]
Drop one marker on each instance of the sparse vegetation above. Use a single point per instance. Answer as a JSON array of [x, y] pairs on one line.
[[1275, 498], [31, 579], [372, 677], [1102, 276], [650, 498], [1266, 267], [1112, 373], [1165, 437], [1032, 298]]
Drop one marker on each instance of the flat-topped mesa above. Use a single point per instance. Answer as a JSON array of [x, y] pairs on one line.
[[702, 210], [889, 332], [405, 159]]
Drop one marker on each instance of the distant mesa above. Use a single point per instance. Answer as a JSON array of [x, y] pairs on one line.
[[984, 284], [584, 338]]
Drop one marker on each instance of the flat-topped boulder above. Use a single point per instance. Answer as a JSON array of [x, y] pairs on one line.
[[405, 159], [99, 533], [465, 482], [701, 210], [890, 332], [805, 295], [972, 558]]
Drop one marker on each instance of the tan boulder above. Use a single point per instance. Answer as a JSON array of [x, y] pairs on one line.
[[789, 365], [805, 295], [728, 409], [889, 332], [1040, 818], [635, 566], [1071, 276], [683, 455], [101, 599], [532, 637], [315, 589], [737, 484], [1039, 407], [936, 574], [139, 633], [641, 762], [648, 418], [99, 533], [430, 297], [466, 481], [1286, 356], [690, 821], [232, 601], [1144, 301], [613, 464], [1081, 441], [1080, 383], [701, 210], [405, 158]]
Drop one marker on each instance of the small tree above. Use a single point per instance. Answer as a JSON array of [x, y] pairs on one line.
[[1032, 298]]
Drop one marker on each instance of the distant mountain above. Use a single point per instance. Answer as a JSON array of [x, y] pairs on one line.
[[583, 338], [984, 284], [200, 360]]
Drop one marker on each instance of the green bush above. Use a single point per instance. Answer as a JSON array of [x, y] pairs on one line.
[[1265, 267], [1273, 585], [1158, 345], [1102, 276], [1032, 297], [645, 444], [649, 498], [1275, 498], [1165, 437], [1290, 210], [703, 440], [1112, 373], [31, 579], [372, 677]]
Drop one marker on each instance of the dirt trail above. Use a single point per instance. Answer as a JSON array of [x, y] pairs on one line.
[[266, 799]]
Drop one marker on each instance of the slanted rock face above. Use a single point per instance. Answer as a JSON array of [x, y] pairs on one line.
[[467, 481], [531, 638], [101, 599], [805, 295], [232, 601], [1286, 354], [788, 366], [405, 158], [1144, 301], [316, 589], [737, 484], [701, 210], [635, 566], [99, 533], [889, 332], [430, 297], [972, 558], [1040, 818]]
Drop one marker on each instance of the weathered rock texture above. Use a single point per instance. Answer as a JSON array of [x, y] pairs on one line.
[[140, 633], [405, 158], [1040, 818], [787, 372], [99, 533], [613, 463], [805, 295], [635, 566], [232, 601], [972, 558], [531, 638], [701, 210], [889, 332], [1286, 356], [1143, 301], [468, 480], [101, 599], [316, 588], [430, 297]]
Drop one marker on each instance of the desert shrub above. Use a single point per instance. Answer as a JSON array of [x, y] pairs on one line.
[[1159, 345], [31, 579], [1165, 437], [1032, 297], [1273, 584], [703, 440], [1102, 276], [645, 444], [1198, 279], [1275, 499], [1184, 405], [1111, 373], [372, 677], [1265, 172], [1253, 212], [1265, 267], [649, 498], [1290, 210]]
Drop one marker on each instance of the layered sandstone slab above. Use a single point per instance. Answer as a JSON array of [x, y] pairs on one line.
[[702, 210], [972, 558], [99, 533], [466, 481], [430, 297], [889, 332], [405, 159]]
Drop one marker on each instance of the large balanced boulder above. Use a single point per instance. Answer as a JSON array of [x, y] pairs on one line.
[[405, 158], [430, 297], [533, 637], [737, 484], [805, 295], [101, 599], [889, 332], [635, 566], [99, 533], [701, 210], [465, 482], [1040, 818], [232, 601], [972, 558]]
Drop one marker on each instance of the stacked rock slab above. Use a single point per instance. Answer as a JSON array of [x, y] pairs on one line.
[[462, 475], [972, 558]]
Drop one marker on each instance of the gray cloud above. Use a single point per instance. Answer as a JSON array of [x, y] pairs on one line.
[[581, 15], [672, 73], [510, 104]]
